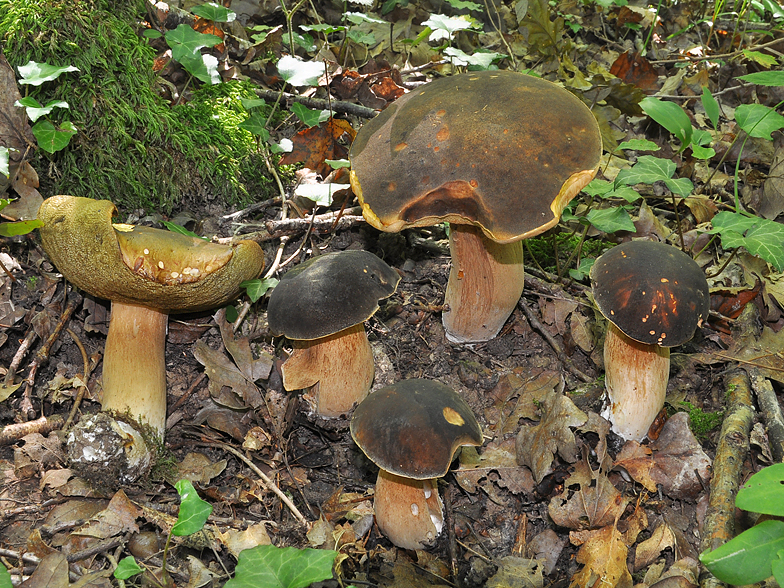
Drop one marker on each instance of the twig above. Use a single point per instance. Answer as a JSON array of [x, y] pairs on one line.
[[268, 483], [253, 208], [44, 425], [562, 357], [730, 454], [292, 226], [771, 412], [181, 400], [83, 388], [336, 105]]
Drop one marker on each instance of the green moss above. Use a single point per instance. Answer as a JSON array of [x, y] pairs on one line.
[[132, 146], [701, 423], [542, 248]]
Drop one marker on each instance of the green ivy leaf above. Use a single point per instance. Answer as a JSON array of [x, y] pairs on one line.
[[36, 74], [759, 236], [308, 116], [275, 567], [445, 27], [4, 159], [251, 103], [764, 491], [5, 578], [194, 511], [127, 568], [611, 220], [647, 170], [19, 227], [758, 120], [258, 288], [214, 12], [321, 194], [35, 110], [185, 42], [360, 17], [639, 145], [764, 78], [711, 106], [746, 559], [480, 59], [671, 116], [460, 4], [51, 138], [598, 188], [256, 123], [202, 67], [300, 73], [175, 228], [338, 163]]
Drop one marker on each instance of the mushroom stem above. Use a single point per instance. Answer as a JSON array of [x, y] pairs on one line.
[[134, 364], [636, 377], [408, 512], [338, 368], [485, 284]]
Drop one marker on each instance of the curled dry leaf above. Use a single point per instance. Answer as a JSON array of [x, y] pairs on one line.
[[517, 572], [603, 554], [671, 460], [595, 504], [537, 445], [650, 549], [500, 458], [197, 467], [117, 518], [223, 373]]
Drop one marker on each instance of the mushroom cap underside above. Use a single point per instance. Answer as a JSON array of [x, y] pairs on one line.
[[149, 267], [498, 149], [329, 293], [653, 292], [414, 427]]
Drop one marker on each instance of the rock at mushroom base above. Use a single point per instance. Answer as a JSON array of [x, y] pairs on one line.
[[412, 430], [321, 306], [654, 297], [147, 274], [496, 154]]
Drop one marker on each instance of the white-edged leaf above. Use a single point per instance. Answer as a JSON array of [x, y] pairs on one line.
[[300, 73]]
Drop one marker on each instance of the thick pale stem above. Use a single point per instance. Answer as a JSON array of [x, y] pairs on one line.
[[485, 285], [338, 368], [408, 512], [134, 364], [636, 378]]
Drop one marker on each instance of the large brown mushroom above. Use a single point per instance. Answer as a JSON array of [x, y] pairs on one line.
[[411, 431], [321, 306], [147, 274], [654, 297], [497, 155]]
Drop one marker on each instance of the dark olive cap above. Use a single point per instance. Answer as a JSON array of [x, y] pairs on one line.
[[329, 293], [498, 149], [653, 292], [414, 427], [158, 269]]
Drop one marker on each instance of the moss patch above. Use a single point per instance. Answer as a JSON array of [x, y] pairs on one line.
[[131, 146]]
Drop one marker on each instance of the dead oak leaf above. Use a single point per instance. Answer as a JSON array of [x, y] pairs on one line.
[[497, 457], [649, 550], [537, 445], [671, 460], [603, 554], [227, 384], [314, 145], [119, 517], [596, 503]]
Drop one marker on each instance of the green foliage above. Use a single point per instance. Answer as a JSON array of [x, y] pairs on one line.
[[671, 116], [19, 227], [214, 12], [702, 423], [760, 236], [757, 553], [131, 144], [257, 288], [127, 568], [4, 158], [186, 44], [5, 578], [194, 511], [275, 567]]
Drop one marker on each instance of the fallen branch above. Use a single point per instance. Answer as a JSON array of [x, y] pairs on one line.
[[12, 433], [291, 226], [731, 452], [321, 104], [771, 413]]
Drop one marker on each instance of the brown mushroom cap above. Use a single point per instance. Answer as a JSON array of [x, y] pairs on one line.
[[498, 149], [414, 427], [328, 294], [653, 292], [138, 265]]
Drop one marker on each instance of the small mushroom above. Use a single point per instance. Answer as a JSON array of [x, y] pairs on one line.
[[411, 431], [654, 296], [496, 154], [321, 306], [147, 274]]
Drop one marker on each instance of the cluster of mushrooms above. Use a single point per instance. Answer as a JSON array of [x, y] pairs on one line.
[[498, 171]]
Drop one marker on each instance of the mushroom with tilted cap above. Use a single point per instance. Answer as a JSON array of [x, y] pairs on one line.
[[411, 430], [321, 306], [654, 296], [146, 273], [498, 155]]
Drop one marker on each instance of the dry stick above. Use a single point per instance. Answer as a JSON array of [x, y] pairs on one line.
[[292, 226], [553, 343], [181, 400], [730, 455], [270, 485], [18, 357], [336, 105], [44, 425], [83, 388], [771, 412]]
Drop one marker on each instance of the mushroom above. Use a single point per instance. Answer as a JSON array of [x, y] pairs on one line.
[[654, 297], [496, 154], [147, 274], [411, 431], [321, 306]]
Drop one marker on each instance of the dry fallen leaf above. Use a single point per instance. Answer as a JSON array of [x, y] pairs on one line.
[[603, 554], [197, 467], [52, 572], [537, 445], [517, 572], [237, 541], [595, 504], [222, 373], [239, 348], [117, 518], [650, 549], [500, 458]]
